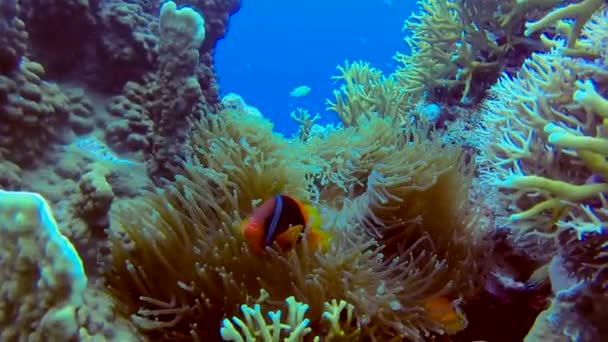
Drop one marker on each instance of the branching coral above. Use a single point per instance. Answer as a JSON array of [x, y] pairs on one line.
[[365, 92], [447, 51], [545, 152], [255, 326], [459, 47], [581, 12], [295, 328], [306, 120], [457, 50], [548, 155], [434, 31]]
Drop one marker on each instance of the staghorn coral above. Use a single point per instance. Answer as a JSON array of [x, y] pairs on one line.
[[306, 121], [545, 128], [295, 328], [584, 257], [189, 236], [581, 11], [546, 124], [459, 47], [257, 327], [433, 34]]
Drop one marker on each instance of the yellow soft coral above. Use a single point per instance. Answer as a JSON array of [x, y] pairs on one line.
[[365, 92]]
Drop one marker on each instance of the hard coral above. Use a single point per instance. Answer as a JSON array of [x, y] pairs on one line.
[[155, 114], [545, 126], [545, 152], [128, 42], [13, 36], [43, 280], [34, 115], [60, 32]]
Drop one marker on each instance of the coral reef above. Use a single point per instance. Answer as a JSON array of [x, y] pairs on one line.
[[155, 114], [544, 127], [129, 42], [549, 118], [463, 189]]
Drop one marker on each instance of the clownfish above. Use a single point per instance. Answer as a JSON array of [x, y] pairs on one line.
[[284, 220], [446, 312]]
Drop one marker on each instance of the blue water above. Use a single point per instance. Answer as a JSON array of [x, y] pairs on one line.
[[274, 46]]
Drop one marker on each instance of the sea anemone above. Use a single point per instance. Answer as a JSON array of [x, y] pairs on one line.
[[180, 265]]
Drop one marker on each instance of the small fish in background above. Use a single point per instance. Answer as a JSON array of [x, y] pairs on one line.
[[445, 311], [300, 91], [98, 150], [284, 220]]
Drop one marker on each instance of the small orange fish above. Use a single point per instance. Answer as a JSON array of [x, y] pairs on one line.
[[446, 312], [284, 220]]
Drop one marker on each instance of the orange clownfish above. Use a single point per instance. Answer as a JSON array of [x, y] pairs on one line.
[[446, 312], [284, 220]]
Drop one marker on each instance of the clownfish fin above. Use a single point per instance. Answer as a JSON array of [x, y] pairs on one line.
[[290, 237], [312, 216], [243, 225], [318, 239], [254, 235]]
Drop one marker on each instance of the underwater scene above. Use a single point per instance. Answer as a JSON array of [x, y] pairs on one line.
[[321, 170]]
